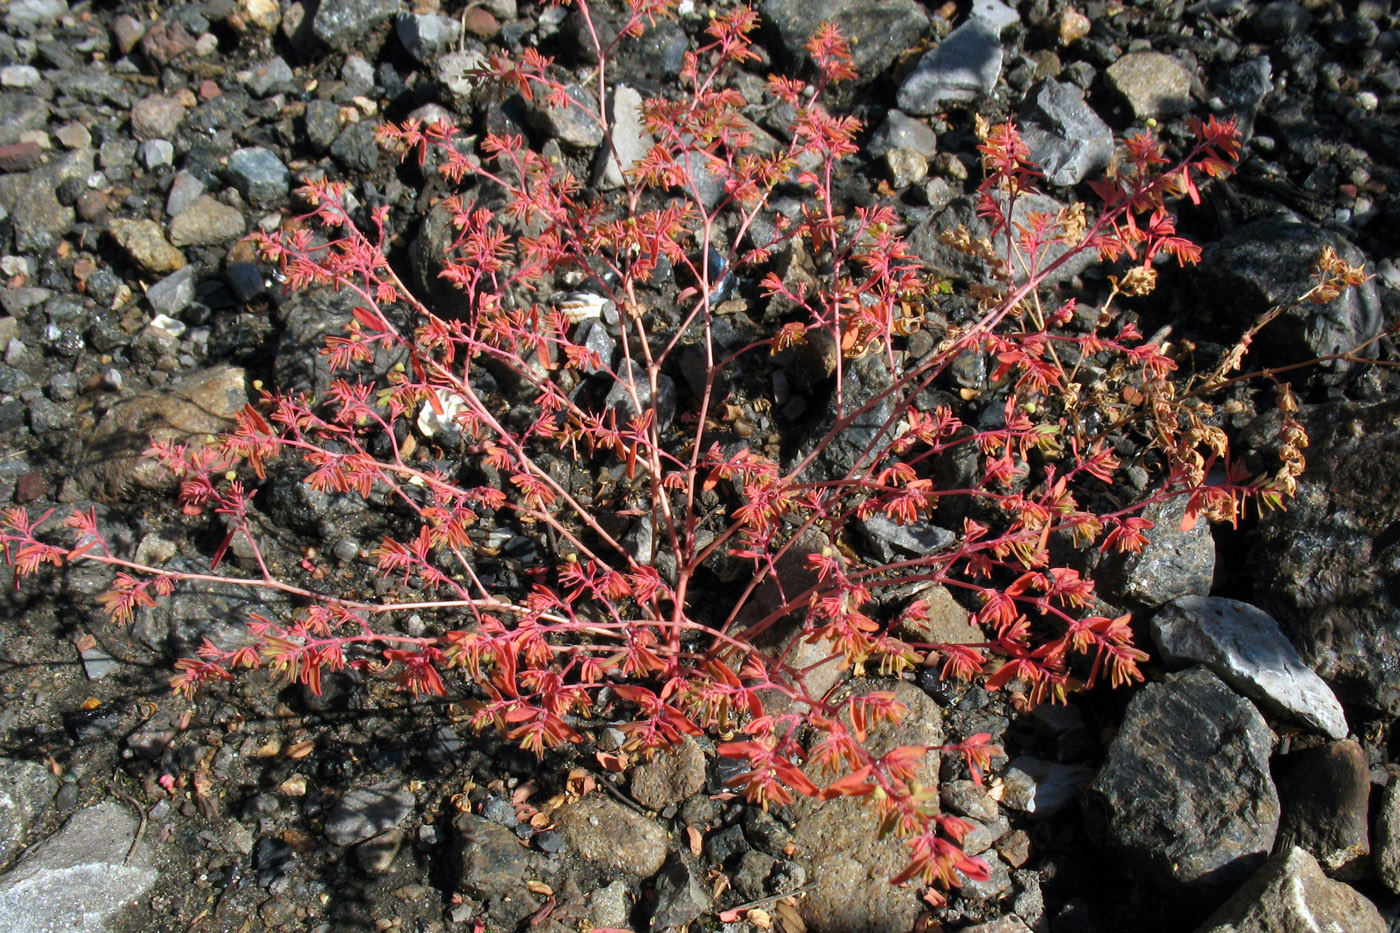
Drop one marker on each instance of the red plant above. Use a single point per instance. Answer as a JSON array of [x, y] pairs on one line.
[[612, 627]]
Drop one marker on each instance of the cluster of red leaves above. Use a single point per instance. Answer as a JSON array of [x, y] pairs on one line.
[[605, 630]]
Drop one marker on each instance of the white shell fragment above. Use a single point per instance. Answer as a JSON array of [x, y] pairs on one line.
[[430, 422], [580, 306]]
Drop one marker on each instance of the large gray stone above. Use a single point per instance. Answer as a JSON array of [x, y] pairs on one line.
[[880, 30], [1245, 647], [343, 24], [961, 70], [1067, 139], [1268, 263], [79, 878], [1184, 800], [613, 837]]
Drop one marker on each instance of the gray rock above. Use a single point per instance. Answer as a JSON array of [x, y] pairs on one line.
[[620, 400], [996, 14], [1268, 263], [426, 36], [172, 294], [1244, 646], [322, 123], [368, 811], [901, 131], [489, 861], [206, 222], [19, 76], [1325, 794], [273, 76], [356, 149], [926, 243], [1184, 799], [185, 189], [145, 243], [1276, 21], [628, 139], [962, 69], [1327, 568], [1173, 563], [258, 174], [1290, 893], [670, 777], [28, 16], [30, 198], [156, 153], [998, 881], [1153, 84], [1065, 137], [156, 117], [26, 795], [344, 24], [840, 848], [915, 540], [575, 124], [613, 837], [80, 878], [1243, 90], [880, 30], [593, 333], [681, 893]]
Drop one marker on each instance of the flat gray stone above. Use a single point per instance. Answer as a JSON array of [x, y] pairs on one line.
[[1065, 136], [1245, 647], [961, 70], [367, 812], [1153, 84], [79, 878], [1290, 893]]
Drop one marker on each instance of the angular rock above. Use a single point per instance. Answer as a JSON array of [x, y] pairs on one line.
[[628, 139], [258, 174], [1243, 90], [80, 877], [961, 70], [1153, 84], [1244, 646], [1290, 893], [367, 812], [1325, 794], [1185, 800], [681, 893], [344, 24], [1034, 785], [1066, 138], [670, 777], [613, 837], [273, 76], [426, 36], [1173, 563], [574, 124], [926, 239], [880, 30], [1386, 849], [206, 222], [172, 294], [145, 243], [488, 859], [1328, 569], [917, 540], [901, 131]]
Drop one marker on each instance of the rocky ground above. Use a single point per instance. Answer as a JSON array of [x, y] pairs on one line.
[[139, 143]]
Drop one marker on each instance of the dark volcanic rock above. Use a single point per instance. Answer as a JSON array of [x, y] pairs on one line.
[[1185, 800], [1328, 569]]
